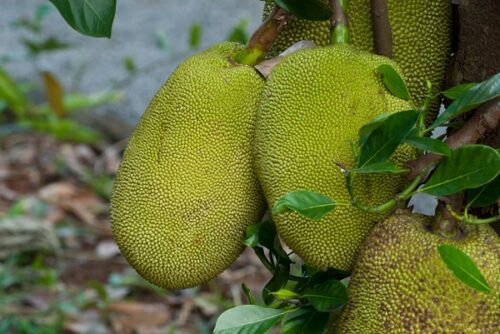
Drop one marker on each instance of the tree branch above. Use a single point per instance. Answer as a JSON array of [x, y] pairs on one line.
[[382, 33], [485, 119]]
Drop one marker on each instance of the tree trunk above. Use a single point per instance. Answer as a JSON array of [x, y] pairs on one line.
[[477, 54]]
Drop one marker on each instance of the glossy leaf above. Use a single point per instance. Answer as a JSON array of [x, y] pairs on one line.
[[368, 128], [276, 283], [304, 320], [486, 195], [314, 10], [428, 144], [393, 82], [381, 167], [327, 295], [89, 17], [454, 92], [470, 99], [286, 294], [309, 204], [252, 235], [248, 319], [468, 167], [385, 139], [463, 267]]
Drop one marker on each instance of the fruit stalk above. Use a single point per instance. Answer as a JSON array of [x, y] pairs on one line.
[[339, 26], [263, 38], [382, 33]]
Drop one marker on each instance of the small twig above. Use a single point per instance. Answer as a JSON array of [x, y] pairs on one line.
[[485, 119], [382, 33]]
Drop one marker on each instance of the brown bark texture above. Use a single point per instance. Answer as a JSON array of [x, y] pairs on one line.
[[478, 50]]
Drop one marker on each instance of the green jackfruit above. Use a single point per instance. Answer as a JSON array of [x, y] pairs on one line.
[[401, 285], [313, 105], [421, 32], [186, 190]]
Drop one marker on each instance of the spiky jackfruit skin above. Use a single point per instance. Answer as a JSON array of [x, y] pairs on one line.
[[401, 285], [421, 32], [314, 103], [186, 190]]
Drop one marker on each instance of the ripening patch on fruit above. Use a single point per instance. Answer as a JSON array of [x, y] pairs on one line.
[[313, 105], [186, 191], [401, 285]]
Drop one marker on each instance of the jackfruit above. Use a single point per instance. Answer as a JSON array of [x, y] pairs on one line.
[[401, 285], [313, 105], [186, 190], [421, 35]]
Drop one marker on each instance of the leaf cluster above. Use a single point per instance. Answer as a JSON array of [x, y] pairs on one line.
[[302, 303]]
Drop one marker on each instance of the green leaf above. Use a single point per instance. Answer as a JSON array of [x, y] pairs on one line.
[[88, 17], [486, 195], [454, 93], [463, 267], [327, 295], [11, 94], [468, 167], [47, 45], [248, 293], [470, 99], [195, 36], [239, 33], [285, 294], [368, 128], [304, 320], [277, 282], [314, 10], [381, 167], [312, 276], [309, 204], [393, 82], [248, 319], [385, 139], [428, 144], [252, 235]]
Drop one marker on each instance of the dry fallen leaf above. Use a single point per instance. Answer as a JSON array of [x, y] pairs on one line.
[[131, 317]]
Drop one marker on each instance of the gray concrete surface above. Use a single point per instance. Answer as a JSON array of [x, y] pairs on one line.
[[135, 26]]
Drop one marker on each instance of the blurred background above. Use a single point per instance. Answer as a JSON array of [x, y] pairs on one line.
[[67, 105]]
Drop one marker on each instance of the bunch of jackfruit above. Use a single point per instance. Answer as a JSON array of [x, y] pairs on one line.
[[219, 143]]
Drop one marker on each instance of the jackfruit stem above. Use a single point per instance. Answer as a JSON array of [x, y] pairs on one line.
[[339, 23], [382, 33], [263, 38]]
